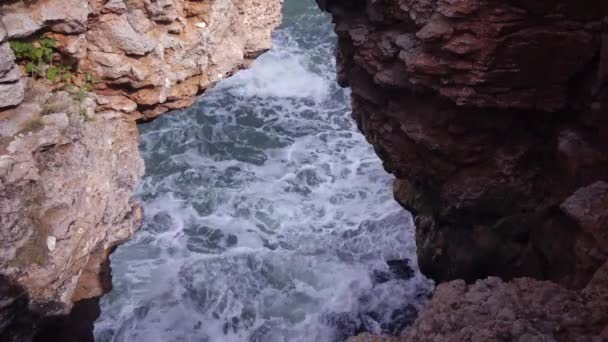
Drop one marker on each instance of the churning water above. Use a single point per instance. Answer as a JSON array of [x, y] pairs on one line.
[[267, 215]]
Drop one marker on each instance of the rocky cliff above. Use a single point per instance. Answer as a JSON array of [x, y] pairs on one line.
[[493, 116], [69, 157]]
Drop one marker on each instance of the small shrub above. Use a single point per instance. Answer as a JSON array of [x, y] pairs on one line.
[[90, 81], [38, 59]]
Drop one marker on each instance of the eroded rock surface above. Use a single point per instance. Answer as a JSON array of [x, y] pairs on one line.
[[493, 116], [155, 55], [524, 309], [66, 184], [521, 310], [69, 159]]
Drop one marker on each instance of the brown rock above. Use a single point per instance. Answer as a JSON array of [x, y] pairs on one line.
[[116, 103], [77, 195], [492, 117], [588, 206], [472, 105], [524, 309], [114, 34], [67, 173]]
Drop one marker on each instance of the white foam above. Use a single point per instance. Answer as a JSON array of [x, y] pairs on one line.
[[265, 211], [282, 75]]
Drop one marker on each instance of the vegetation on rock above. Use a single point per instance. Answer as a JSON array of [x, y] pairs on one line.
[[39, 56]]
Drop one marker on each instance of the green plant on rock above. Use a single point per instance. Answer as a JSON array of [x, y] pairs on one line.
[[38, 57], [41, 59], [91, 80], [60, 73]]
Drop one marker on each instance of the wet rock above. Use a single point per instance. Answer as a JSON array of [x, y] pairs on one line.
[[345, 325], [372, 338], [202, 239], [400, 319], [401, 268], [161, 223], [398, 269], [381, 276], [588, 206]]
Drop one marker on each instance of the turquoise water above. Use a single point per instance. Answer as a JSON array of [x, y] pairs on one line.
[[267, 215]]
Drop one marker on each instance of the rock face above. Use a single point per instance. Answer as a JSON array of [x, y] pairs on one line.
[[69, 161], [66, 200], [11, 86], [493, 116], [151, 56], [522, 310]]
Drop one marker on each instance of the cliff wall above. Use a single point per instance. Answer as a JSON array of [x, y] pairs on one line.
[[493, 116], [69, 158]]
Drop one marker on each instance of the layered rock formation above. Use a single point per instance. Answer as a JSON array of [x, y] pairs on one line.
[[67, 186], [150, 55], [69, 159], [493, 116]]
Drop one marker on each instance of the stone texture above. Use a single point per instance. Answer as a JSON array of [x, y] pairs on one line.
[[19, 24], [11, 94], [588, 206], [490, 114], [521, 310], [68, 165], [67, 195], [7, 58], [11, 88], [372, 338], [151, 51], [114, 34], [524, 309]]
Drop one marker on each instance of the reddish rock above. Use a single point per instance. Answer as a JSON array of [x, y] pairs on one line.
[[493, 117], [144, 50], [522, 310], [490, 114]]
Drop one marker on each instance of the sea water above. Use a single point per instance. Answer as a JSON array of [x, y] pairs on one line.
[[268, 217]]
